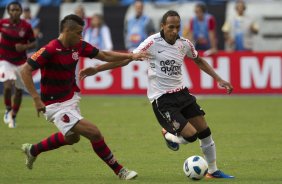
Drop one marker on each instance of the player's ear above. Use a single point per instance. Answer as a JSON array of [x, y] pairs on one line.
[[162, 26]]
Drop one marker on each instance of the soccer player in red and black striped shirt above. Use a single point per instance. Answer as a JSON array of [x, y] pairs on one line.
[[59, 99], [16, 37]]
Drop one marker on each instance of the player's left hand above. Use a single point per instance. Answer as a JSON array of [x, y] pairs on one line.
[[20, 47], [226, 85], [87, 72]]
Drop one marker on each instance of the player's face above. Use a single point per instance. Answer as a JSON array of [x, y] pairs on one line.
[[171, 29], [15, 12], [75, 35]]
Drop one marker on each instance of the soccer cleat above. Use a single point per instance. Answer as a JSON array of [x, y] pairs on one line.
[[7, 116], [12, 123], [171, 145], [29, 158], [125, 174], [219, 174]]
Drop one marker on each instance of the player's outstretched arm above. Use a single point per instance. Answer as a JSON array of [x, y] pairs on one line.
[[107, 66], [203, 65], [26, 73], [110, 56]]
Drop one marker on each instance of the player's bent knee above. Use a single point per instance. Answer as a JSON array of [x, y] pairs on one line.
[[72, 139], [205, 133], [192, 138], [93, 133]]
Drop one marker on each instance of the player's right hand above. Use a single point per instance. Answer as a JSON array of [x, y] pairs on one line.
[[39, 106]]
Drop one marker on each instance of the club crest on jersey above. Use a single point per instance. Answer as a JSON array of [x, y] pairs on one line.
[[21, 33], [181, 49], [65, 118], [75, 56]]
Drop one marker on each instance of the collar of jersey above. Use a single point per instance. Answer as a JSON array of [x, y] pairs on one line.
[[163, 36]]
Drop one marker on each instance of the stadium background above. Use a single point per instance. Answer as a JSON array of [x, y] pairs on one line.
[[258, 72]]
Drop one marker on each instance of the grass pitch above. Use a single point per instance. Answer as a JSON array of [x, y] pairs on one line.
[[246, 130]]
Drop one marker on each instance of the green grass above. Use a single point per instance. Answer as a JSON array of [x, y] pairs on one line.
[[247, 132]]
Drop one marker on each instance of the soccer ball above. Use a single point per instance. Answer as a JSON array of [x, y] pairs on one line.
[[195, 167]]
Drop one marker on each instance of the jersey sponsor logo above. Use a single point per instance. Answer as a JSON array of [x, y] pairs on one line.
[[160, 51], [75, 56], [37, 54], [158, 39], [65, 118], [147, 46], [152, 65], [59, 50], [170, 67]]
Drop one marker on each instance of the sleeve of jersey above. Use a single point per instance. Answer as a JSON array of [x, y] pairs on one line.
[[88, 50], [39, 59], [191, 51], [145, 46]]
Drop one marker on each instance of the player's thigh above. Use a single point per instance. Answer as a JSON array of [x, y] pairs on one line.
[[8, 84], [199, 123], [188, 131], [87, 129], [195, 115]]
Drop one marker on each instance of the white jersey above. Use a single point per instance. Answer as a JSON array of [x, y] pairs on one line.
[[165, 64]]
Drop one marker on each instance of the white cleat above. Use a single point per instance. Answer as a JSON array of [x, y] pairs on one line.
[[29, 158], [12, 123], [125, 174], [7, 116]]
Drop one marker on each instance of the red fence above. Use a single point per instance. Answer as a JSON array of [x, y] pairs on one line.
[[249, 73]]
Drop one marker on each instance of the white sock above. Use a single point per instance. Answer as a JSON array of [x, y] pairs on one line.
[[176, 139], [208, 148]]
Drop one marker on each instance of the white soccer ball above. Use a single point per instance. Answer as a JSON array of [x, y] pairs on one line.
[[195, 167]]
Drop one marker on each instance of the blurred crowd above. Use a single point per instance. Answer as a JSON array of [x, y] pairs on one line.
[[3, 3], [201, 29]]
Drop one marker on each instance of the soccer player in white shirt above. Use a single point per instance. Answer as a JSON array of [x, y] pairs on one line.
[[176, 109]]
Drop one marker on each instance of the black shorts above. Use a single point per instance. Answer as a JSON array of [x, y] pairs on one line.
[[174, 109]]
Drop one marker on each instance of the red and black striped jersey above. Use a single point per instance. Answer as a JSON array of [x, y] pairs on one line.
[[11, 34], [58, 65]]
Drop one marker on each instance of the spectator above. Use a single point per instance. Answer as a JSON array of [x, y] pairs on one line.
[[201, 30], [35, 24], [138, 27], [98, 34], [239, 30], [80, 11]]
